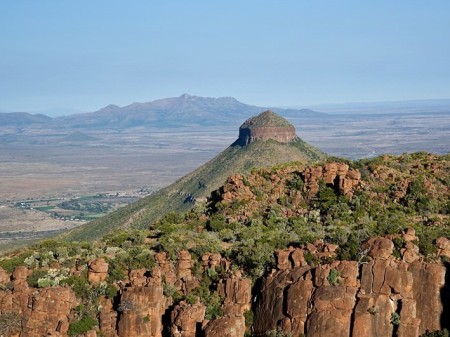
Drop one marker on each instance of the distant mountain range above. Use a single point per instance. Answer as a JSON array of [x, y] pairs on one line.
[[20, 119], [185, 110]]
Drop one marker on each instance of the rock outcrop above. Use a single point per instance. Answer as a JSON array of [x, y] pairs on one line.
[[337, 175], [265, 126], [42, 312], [186, 319], [384, 296], [97, 271], [379, 295]]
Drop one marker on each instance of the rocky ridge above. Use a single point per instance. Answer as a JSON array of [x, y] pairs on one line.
[[379, 295], [331, 249]]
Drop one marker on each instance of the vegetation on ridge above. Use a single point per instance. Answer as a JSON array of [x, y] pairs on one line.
[[266, 210], [181, 195]]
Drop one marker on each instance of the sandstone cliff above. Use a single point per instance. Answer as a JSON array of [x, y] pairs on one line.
[[379, 295]]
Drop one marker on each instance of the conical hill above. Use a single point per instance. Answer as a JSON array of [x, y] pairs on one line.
[[265, 140]]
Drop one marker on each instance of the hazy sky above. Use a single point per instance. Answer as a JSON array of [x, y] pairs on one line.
[[85, 54]]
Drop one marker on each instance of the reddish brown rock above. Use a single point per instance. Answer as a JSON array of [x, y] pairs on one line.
[[443, 245], [184, 265], [265, 126], [227, 326], [108, 319], [429, 280], [214, 260], [5, 277], [373, 316], [297, 298], [410, 235], [97, 271], [270, 308], [298, 258], [49, 311], [234, 189], [380, 248], [19, 278], [332, 311], [237, 292], [186, 319], [283, 260], [91, 333], [138, 277], [409, 323], [410, 252], [166, 268], [336, 175], [141, 311]]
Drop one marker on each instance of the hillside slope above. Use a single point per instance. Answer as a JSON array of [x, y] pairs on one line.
[[264, 145], [181, 195]]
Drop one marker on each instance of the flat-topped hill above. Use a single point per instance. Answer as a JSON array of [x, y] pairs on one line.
[[265, 126]]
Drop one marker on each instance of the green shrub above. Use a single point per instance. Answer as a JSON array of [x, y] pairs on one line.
[[333, 277], [85, 324], [111, 291], [437, 333], [395, 319], [9, 264], [217, 223], [79, 285], [35, 276], [10, 323], [249, 318]]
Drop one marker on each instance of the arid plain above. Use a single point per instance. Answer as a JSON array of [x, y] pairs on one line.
[[46, 165]]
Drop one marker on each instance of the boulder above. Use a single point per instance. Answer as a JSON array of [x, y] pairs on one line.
[[5, 277], [141, 309], [49, 312], [186, 319], [227, 326], [97, 271]]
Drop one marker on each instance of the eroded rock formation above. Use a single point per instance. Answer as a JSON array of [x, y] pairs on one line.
[[379, 295], [382, 296], [265, 126]]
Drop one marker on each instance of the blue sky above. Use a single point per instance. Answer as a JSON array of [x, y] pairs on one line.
[[85, 54]]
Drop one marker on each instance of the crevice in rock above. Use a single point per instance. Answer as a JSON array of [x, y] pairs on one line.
[[445, 299], [395, 324], [285, 302], [199, 332], [373, 277], [167, 322], [352, 316]]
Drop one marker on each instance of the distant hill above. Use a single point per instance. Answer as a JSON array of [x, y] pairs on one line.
[[185, 110], [21, 119], [182, 195]]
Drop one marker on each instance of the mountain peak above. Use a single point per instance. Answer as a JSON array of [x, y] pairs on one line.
[[110, 107], [267, 125]]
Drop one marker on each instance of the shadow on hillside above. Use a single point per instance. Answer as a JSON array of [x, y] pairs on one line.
[[445, 299]]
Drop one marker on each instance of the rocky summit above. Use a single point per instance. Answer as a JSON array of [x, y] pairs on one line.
[[265, 126]]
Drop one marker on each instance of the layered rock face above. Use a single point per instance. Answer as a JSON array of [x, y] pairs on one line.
[[379, 295], [42, 312], [382, 296], [265, 126]]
